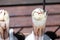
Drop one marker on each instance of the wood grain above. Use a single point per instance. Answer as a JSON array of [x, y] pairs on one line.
[[27, 21], [27, 10]]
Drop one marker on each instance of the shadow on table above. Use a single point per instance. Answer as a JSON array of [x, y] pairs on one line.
[[53, 35], [19, 35]]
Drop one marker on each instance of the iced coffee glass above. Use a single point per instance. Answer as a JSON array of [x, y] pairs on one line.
[[4, 24], [39, 21]]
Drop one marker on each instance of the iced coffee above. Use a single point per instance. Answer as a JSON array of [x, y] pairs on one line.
[[4, 24], [39, 21]]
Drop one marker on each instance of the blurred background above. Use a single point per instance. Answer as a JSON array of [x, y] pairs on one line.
[[20, 15]]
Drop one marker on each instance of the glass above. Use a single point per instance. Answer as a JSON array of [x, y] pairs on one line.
[[39, 23]]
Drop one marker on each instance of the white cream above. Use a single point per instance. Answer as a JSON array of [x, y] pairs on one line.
[[1, 14], [39, 19], [4, 15]]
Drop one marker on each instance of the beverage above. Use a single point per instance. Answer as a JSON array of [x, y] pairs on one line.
[[4, 24], [39, 20]]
